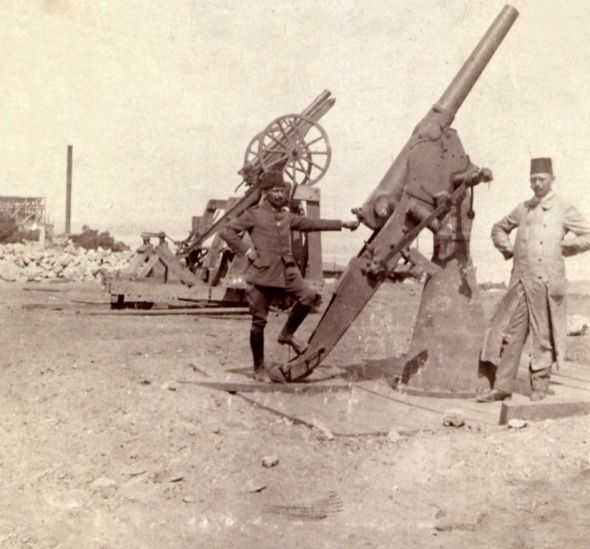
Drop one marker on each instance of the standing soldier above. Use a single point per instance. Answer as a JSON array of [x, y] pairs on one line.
[[535, 302], [271, 266]]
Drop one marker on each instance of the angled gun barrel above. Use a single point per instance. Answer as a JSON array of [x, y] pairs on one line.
[[383, 200], [312, 113], [315, 110]]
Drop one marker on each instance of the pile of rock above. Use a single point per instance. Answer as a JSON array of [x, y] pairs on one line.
[[30, 263]]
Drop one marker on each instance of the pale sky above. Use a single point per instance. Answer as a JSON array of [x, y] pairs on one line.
[[160, 100]]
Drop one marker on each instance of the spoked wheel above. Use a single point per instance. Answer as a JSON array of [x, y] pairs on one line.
[[297, 146], [251, 162]]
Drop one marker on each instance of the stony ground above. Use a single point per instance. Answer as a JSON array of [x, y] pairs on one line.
[[103, 444]]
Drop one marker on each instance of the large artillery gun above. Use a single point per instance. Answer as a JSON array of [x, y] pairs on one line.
[[200, 270], [429, 186]]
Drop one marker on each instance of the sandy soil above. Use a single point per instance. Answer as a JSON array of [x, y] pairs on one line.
[[104, 445]]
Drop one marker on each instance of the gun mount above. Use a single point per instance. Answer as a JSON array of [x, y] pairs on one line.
[[429, 185], [199, 273], [284, 144]]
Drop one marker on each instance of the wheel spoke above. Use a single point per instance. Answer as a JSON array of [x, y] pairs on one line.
[[297, 134], [316, 140], [303, 168], [283, 146], [280, 144], [284, 132], [316, 165]]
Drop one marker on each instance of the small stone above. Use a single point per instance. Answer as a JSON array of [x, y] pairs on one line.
[[270, 461], [393, 436], [577, 325], [253, 486], [103, 482], [453, 418], [104, 486], [517, 424], [323, 433]]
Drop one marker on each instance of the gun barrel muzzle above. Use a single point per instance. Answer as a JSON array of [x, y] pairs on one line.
[[453, 97]]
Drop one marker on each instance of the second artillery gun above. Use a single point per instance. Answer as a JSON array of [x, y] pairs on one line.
[[429, 186], [201, 271]]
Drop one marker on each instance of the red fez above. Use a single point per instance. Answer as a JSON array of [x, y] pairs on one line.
[[541, 165], [270, 180]]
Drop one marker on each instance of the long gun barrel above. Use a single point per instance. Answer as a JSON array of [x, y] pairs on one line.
[[452, 99], [382, 201], [319, 106]]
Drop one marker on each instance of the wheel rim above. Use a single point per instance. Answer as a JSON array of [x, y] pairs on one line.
[[296, 145]]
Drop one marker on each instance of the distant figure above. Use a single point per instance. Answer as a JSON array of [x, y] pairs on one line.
[[535, 302], [271, 266]]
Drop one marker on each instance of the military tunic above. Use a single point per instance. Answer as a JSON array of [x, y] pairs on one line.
[[539, 273], [274, 268], [270, 231]]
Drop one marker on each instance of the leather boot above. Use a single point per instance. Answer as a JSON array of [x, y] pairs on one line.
[[297, 315], [257, 347]]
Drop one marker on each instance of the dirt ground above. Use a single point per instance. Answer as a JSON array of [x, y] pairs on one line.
[[104, 444]]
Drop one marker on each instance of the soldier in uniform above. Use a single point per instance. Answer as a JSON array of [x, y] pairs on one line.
[[271, 266], [535, 302]]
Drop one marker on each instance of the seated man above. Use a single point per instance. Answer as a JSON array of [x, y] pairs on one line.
[[271, 265]]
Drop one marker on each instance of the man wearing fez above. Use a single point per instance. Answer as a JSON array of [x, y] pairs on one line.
[[271, 266], [535, 302]]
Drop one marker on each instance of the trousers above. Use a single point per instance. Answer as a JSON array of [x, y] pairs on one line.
[[515, 335], [260, 297]]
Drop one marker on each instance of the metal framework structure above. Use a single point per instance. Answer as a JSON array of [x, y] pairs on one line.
[[24, 210], [27, 212]]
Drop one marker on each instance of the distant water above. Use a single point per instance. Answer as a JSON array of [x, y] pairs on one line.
[[490, 266]]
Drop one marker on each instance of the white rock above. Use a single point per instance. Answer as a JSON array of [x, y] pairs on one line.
[[577, 325], [19, 262], [393, 436], [9, 271], [253, 486], [270, 461], [104, 486], [517, 424], [454, 418]]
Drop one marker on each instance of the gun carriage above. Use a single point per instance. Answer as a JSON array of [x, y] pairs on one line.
[[200, 270], [429, 186]]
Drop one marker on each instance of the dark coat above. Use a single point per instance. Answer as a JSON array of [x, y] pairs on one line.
[[270, 232]]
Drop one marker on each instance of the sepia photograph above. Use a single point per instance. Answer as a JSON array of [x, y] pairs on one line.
[[294, 274]]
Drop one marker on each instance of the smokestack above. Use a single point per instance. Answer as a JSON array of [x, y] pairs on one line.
[[69, 191]]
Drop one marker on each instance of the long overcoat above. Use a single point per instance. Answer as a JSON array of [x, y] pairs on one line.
[[539, 265], [270, 232]]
